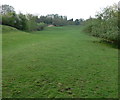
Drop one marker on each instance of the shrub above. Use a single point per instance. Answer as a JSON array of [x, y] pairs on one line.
[[41, 26], [105, 25]]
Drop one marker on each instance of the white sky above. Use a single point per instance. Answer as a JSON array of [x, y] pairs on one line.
[[70, 8]]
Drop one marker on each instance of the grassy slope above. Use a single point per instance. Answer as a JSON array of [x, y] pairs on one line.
[[6, 29], [58, 62]]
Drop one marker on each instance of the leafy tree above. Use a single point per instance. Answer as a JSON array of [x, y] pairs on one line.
[[54, 19], [4, 9], [77, 22], [105, 25]]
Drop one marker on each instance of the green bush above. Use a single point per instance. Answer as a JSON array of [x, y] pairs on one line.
[[105, 25], [40, 26], [26, 22]]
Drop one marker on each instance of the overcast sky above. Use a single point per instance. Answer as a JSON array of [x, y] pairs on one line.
[[70, 8]]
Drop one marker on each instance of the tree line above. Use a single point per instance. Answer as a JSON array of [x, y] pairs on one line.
[[30, 22], [105, 24]]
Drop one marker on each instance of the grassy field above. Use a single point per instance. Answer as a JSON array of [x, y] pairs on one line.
[[59, 62]]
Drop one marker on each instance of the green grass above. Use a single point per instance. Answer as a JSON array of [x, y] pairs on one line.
[[6, 29], [59, 62]]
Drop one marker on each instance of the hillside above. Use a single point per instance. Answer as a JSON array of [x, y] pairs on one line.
[[7, 28]]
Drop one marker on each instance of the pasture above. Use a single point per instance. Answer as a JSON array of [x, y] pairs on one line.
[[58, 62]]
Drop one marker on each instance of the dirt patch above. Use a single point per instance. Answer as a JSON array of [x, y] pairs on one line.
[[50, 25]]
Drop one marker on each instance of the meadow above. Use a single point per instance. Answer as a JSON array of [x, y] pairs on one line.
[[58, 62]]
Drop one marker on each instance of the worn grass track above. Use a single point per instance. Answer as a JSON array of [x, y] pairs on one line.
[[59, 62]]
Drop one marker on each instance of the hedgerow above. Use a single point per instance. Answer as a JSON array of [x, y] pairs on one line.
[[105, 25]]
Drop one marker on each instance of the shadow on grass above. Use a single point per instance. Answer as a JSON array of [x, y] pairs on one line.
[[108, 43]]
